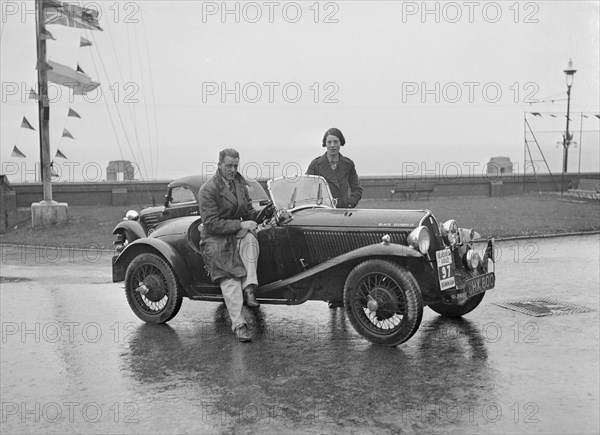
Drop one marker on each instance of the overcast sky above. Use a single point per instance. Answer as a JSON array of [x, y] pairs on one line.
[[436, 87]]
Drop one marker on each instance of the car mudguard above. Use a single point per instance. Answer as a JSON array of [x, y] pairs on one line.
[[163, 249], [379, 250], [134, 228]]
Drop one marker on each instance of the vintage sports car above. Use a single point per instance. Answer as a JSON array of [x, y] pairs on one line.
[[384, 265], [180, 200]]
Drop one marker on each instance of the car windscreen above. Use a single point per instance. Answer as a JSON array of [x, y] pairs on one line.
[[290, 193]]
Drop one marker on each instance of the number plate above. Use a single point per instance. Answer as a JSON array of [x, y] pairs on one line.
[[480, 284], [445, 267]]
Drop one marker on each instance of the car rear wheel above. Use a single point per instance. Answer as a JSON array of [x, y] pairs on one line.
[[448, 310], [383, 302], [152, 289]]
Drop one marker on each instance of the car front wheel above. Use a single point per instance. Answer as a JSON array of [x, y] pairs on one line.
[[152, 290], [383, 303]]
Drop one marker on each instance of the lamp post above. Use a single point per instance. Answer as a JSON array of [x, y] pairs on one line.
[[569, 73]]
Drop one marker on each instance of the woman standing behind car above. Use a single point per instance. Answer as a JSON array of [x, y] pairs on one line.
[[338, 171]]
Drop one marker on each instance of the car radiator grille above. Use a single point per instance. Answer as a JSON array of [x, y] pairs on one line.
[[325, 245]]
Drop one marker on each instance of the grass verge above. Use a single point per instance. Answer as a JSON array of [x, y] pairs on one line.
[[528, 215]]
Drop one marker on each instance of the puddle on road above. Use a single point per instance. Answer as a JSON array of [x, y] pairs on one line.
[[9, 279]]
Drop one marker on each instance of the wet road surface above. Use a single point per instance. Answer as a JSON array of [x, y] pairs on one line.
[[74, 358]]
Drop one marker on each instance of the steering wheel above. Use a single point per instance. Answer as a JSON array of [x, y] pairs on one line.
[[265, 213]]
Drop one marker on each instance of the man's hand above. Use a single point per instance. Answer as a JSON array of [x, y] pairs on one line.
[[249, 225]]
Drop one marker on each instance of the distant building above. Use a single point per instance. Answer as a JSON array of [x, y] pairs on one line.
[[120, 170], [499, 166]]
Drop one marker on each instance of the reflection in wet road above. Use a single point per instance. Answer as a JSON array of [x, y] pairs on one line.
[[75, 359]]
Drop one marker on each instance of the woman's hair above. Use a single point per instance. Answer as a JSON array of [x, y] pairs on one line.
[[334, 132]]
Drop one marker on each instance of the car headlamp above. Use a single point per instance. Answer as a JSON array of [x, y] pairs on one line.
[[450, 232], [472, 259], [420, 239], [131, 215]]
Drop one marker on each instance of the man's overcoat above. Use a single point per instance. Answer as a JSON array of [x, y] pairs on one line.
[[222, 213]]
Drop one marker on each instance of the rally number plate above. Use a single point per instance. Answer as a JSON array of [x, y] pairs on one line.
[[480, 284], [445, 267]]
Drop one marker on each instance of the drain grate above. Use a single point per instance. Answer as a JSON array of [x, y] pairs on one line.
[[543, 307]]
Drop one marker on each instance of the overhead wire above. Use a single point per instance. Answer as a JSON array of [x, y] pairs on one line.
[[151, 93], [144, 105]]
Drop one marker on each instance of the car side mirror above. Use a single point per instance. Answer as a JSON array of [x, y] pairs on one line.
[[166, 204]]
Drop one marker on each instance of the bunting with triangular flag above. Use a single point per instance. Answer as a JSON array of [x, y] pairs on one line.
[[26, 124], [536, 114], [16, 152], [43, 65], [32, 95], [60, 155], [73, 114], [66, 133], [83, 42], [79, 69], [597, 116], [53, 172], [47, 35]]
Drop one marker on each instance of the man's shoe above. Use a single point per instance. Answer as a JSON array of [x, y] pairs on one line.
[[251, 299], [242, 334]]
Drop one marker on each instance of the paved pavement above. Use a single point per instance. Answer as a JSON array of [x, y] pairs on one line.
[[75, 359]]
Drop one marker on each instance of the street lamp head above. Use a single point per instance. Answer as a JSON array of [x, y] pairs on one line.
[[570, 73]]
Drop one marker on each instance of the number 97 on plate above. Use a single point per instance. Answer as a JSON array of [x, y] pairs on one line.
[[445, 267]]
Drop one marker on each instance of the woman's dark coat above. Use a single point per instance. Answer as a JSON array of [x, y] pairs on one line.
[[343, 182]]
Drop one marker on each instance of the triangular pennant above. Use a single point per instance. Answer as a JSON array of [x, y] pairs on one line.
[[66, 133], [26, 124], [32, 95], [42, 65], [16, 152], [60, 155], [53, 172], [585, 116], [80, 70], [597, 116], [73, 113], [47, 35], [536, 114], [84, 42], [553, 115]]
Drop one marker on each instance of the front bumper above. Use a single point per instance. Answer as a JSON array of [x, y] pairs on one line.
[[467, 283]]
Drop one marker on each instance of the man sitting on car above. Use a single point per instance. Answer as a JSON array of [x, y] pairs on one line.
[[228, 242]]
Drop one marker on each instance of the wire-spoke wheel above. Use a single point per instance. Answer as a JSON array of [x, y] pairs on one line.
[[383, 302], [448, 310], [152, 289]]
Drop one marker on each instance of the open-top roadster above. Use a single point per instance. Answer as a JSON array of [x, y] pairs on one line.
[[384, 265]]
